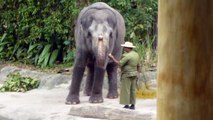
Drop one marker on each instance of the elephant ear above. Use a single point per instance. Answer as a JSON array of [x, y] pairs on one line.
[[86, 18], [112, 20]]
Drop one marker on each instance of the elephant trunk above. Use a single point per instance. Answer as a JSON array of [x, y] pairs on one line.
[[101, 52]]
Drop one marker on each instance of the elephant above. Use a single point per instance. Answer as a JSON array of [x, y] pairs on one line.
[[99, 30]]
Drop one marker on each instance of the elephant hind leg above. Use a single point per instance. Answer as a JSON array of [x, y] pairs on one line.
[[96, 94], [112, 81], [89, 80]]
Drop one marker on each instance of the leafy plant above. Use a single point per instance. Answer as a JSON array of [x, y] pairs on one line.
[[2, 45], [17, 83]]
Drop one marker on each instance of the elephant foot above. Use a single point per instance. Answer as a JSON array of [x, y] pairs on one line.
[[96, 99], [112, 95], [72, 100]]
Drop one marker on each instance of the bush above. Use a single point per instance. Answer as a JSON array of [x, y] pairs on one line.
[[37, 32], [17, 83]]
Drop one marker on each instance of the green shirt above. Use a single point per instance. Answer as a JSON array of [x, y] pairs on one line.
[[129, 63]]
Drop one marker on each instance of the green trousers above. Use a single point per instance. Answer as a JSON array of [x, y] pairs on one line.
[[128, 90]]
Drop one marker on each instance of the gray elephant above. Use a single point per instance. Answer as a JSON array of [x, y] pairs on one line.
[[99, 30]]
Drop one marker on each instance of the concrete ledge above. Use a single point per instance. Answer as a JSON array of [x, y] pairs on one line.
[[107, 112]]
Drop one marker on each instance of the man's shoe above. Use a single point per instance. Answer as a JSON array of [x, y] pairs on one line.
[[132, 107], [126, 106]]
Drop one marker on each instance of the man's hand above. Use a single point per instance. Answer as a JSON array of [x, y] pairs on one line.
[[110, 56], [113, 58]]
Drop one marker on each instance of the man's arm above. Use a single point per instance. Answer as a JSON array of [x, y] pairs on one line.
[[113, 58]]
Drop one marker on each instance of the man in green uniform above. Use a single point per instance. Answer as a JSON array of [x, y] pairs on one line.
[[129, 64]]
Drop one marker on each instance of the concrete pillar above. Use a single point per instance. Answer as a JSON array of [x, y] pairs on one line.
[[185, 60]]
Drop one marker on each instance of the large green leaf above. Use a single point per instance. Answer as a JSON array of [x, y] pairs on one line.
[[53, 57], [44, 54], [4, 43], [15, 49], [46, 59], [32, 47], [3, 37]]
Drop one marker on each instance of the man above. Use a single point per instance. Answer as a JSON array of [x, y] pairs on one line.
[[129, 64]]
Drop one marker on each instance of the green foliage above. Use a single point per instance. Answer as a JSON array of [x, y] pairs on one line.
[[17, 83], [39, 32], [147, 53], [141, 26], [36, 30]]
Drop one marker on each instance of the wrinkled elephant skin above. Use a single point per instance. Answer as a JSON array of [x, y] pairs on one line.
[[99, 30]]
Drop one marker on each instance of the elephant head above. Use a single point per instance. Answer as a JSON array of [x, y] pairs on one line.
[[99, 34]]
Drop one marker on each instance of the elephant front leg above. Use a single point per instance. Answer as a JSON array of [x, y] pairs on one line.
[[73, 96], [96, 96], [112, 81]]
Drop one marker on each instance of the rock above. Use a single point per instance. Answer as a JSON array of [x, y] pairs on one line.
[[3, 118], [5, 71], [149, 76]]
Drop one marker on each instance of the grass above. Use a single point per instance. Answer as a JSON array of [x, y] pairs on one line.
[[147, 53]]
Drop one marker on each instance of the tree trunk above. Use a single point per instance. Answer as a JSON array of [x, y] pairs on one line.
[[185, 63]]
